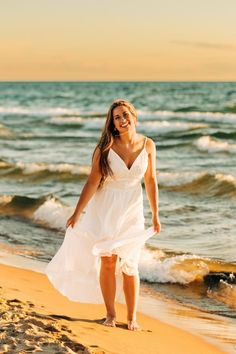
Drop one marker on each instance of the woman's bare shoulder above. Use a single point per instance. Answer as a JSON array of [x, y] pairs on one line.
[[150, 145], [96, 154]]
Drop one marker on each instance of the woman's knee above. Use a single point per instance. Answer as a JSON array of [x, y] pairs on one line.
[[109, 263]]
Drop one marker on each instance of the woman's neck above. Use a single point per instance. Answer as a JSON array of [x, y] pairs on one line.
[[127, 138]]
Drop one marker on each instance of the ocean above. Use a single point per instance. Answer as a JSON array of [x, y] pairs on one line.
[[48, 131]]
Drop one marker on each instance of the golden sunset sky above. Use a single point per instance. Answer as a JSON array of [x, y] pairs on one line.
[[93, 40]]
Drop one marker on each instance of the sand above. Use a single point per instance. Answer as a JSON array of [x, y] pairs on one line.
[[36, 318]]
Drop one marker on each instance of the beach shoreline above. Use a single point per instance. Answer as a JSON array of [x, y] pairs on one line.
[[30, 299], [47, 141]]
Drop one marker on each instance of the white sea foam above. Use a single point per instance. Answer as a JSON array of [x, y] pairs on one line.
[[53, 214], [13, 110], [5, 199], [206, 143], [96, 123], [174, 179], [171, 270], [30, 168], [195, 116], [38, 112], [169, 179], [226, 178], [67, 120], [57, 112], [166, 126]]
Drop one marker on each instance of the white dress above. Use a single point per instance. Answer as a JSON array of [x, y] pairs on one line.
[[113, 223]]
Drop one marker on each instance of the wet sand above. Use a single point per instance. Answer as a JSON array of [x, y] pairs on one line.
[[36, 318]]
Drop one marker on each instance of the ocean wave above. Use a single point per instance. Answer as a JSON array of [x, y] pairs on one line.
[[47, 211], [57, 112], [206, 143], [67, 120], [182, 269], [71, 121], [225, 293], [208, 184], [67, 113], [98, 122], [31, 168], [172, 179], [163, 127], [211, 184], [53, 111], [53, 214], [157, 266], [4, 131], [19, 205], [217, 117], [37, 170]]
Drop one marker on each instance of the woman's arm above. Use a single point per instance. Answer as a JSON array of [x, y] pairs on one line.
[[151, 185], [88, 190]]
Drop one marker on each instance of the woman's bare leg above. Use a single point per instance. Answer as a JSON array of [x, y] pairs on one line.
[[131, 285], [108, 287]]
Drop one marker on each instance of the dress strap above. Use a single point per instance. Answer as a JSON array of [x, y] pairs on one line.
[[145, 142]]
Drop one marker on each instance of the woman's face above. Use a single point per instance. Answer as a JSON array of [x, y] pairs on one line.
[[123, 119]]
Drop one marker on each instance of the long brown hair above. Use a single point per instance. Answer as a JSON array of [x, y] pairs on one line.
[[107, 138]]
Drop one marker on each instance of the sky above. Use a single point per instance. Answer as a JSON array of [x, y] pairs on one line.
[[125, 40]]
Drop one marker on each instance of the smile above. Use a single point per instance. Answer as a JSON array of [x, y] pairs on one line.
[[124, 125]]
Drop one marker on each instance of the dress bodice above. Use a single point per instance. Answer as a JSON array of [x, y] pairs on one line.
[[123, 176]]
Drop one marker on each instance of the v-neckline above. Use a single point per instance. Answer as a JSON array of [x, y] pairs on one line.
[[134, 159]]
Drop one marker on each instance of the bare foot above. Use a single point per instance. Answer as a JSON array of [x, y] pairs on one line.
[[110, 322], [133, 326]]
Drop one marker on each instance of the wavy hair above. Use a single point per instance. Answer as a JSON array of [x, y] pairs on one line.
[[107, 138]]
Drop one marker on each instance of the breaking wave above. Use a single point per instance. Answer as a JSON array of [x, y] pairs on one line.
[[37, 170], [209, 184], [178, 269], [209, 117], [47, 211], [207, 143]]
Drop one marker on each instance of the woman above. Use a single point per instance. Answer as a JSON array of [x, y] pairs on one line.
[[103, 245]]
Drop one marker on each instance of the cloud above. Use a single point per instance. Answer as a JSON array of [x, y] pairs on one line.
[[207, 45]]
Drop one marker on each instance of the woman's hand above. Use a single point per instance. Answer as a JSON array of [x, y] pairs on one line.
[[72, 220], [156, 223]]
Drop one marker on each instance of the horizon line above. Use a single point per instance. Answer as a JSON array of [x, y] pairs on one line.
[[78, 81]]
